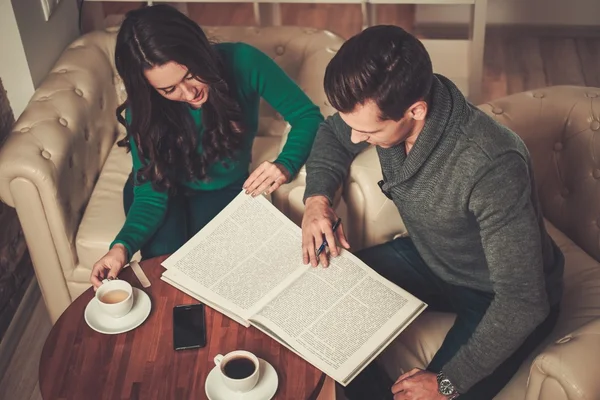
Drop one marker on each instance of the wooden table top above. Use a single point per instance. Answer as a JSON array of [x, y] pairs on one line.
[[80, 363]]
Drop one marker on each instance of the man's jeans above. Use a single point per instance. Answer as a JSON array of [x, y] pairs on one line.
[[399, 262]]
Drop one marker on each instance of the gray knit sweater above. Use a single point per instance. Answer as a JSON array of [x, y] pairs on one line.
[[467, 196]]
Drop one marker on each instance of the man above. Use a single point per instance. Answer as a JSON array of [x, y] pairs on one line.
[[464, 187]]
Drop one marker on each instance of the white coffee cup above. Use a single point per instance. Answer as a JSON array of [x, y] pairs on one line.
[[120, 304], [230, 364]]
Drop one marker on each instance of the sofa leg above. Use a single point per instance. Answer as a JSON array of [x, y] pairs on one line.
[[267, 14]]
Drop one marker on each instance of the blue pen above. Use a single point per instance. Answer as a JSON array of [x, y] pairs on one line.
[[322, 247]]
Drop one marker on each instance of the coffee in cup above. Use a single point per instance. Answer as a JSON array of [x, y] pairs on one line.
[[115, 298], [239, 370]]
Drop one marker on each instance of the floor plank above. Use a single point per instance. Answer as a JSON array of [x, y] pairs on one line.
[[21, 377], [495, 81], [36, 394], [589, 55], [561, 61]]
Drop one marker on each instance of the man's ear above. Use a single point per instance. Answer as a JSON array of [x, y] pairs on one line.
[[418, 111]]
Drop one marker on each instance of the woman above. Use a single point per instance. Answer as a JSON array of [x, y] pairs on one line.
[[191, 115]]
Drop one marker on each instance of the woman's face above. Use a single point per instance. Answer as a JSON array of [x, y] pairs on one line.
[[175, 82]]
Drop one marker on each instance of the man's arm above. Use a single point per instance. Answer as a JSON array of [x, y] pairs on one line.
[[330, 158], [501, 203]]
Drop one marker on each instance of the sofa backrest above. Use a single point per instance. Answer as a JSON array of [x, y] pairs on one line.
[[57, 149], [561, 127]]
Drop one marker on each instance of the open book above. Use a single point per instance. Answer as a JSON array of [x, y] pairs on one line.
[[247, 264]]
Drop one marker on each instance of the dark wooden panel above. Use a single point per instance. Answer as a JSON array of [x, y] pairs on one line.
[[561, 62], [589, 54]]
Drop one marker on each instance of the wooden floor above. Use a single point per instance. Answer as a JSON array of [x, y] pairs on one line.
[[520, 60]]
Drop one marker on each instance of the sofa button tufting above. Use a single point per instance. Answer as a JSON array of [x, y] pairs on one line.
[[46, 154], [558, 146], [595, 125], [43, 98], [63, 121], [86, 134], [538, 95], [279, 50], [565, 339], [591, 95], [25, 130], [596, 173], [62, 71], [78, 92], [497, 110]]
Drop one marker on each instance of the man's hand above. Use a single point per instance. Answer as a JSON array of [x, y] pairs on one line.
[[266, 179], [417, 384], [317, 221]]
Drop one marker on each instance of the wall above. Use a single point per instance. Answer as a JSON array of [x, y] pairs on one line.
[[535, 12], [30, 46], [13, 62]]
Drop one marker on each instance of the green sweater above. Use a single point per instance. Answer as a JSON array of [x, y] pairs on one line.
[[256, 76]]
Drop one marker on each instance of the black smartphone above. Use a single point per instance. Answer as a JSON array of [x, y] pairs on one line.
[[189, 326]]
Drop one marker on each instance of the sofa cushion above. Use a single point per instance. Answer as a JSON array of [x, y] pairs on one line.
[[416, 346]]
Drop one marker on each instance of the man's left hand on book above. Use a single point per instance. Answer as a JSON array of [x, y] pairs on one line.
[[317, 223], [417, 384]]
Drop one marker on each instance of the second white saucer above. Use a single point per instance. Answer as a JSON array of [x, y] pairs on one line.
[[102, 323]]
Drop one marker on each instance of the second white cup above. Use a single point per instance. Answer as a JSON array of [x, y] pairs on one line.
[[115, 298], [239, 370]]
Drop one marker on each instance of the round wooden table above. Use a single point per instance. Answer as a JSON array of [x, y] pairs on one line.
[[80, 363]]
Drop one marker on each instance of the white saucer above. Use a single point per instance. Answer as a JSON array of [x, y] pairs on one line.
[[102, 323], [264, 390]]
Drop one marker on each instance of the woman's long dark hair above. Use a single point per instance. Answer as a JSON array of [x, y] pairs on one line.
[[163, 130]]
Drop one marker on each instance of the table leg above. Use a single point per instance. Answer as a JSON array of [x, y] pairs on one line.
[[267, 14], [477, 32], [369, 14]]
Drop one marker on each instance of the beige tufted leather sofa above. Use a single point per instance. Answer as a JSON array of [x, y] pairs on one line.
[[561, 127], [61, 170]]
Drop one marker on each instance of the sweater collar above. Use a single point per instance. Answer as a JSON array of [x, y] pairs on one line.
[[447, 110]]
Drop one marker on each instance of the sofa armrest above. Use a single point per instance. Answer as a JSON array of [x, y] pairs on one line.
[[375, 218], [51, 160], [568, 369], [560, 126]]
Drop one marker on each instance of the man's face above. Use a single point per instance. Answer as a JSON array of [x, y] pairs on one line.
[[368, 127]]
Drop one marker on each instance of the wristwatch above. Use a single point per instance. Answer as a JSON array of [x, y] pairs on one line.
[[445, 387]]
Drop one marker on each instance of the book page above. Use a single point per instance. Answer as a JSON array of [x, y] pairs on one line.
[[339, 318], [265, 258]]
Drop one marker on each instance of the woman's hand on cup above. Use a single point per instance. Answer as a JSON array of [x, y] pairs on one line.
[[109, 265], [267, 178]]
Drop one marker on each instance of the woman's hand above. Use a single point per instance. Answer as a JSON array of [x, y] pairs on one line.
[[266, 179], [110, 265]]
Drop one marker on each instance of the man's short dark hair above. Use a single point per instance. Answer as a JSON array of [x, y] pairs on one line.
[[383, 63]]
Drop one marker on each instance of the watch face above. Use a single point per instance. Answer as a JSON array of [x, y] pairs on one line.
[[446, 387]]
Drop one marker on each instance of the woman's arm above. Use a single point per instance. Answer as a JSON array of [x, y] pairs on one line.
[[146, 213], [284, 95]]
